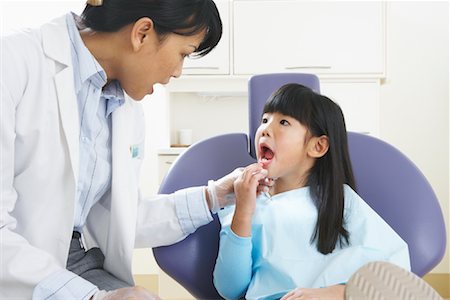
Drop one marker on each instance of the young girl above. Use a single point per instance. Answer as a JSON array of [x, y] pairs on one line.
[[312, 230]]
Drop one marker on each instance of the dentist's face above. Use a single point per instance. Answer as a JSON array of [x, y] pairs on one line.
[[155, 61]]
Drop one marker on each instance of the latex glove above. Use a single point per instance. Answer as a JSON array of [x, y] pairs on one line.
[[130, 293], [221, 192]]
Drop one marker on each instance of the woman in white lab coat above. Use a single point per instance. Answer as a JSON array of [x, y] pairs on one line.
[[72, 144]]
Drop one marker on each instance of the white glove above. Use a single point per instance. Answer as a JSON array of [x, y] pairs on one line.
[[221, 192]]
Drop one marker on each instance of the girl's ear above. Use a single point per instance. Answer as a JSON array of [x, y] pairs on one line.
[[141, 32], [318, 146]]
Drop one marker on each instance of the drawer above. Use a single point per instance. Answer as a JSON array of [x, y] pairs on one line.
[[165, 161]]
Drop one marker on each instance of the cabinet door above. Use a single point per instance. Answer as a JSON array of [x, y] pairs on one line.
[[359, 100], [165, 162], [218, 60], [309, 36]]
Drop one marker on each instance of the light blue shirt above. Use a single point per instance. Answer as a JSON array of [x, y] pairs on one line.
[[279, 257], [95, 107]]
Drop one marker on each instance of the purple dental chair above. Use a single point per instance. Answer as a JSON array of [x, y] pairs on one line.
[[389, 182]]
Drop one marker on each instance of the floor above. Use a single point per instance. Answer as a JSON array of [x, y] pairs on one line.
[[170, 290]]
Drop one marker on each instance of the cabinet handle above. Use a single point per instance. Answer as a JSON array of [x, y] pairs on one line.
[[308, 67], [168, 162], [201, 68]]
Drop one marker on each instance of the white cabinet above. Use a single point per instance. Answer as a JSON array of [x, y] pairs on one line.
[[217, 62], [165, 161], [332, 37], [343, 42], [359, 100]]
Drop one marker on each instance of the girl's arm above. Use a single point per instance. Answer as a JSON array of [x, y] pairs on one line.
[[245, 188], [233, 270]]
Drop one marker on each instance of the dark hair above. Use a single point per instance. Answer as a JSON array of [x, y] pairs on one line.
[[183, 17], [330, 172]]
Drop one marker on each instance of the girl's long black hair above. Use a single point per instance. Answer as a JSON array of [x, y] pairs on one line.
[[330, 172], [184, 17]]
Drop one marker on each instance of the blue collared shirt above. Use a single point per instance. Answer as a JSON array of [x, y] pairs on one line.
[[95, 105]]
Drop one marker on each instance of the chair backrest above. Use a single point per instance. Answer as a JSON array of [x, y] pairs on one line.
[[398, 191], [389, 182], [191, 261]]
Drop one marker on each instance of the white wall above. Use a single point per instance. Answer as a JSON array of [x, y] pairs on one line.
[[414, 112], [17, 13]]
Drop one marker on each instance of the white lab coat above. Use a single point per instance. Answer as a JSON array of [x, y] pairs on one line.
[[39, 170]]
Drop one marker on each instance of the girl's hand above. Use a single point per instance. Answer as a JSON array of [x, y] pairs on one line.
[[220, 193], [246, 190], [335, 292]]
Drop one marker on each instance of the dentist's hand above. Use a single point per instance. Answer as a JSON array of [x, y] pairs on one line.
[[221, 191]]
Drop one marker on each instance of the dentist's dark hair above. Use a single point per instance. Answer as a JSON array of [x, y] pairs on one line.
[[183, 17], [326, 179]]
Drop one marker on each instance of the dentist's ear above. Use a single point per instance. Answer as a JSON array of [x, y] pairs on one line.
[[141, 31], [318, 146]]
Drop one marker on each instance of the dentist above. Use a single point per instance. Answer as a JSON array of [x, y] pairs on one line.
[[72, 144]]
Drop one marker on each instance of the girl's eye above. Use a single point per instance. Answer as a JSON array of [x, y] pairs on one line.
[[264, 120], [284, 122]]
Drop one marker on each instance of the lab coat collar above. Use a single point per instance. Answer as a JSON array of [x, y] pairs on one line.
[[56, 45], [86, 67], [55, 41], [124, 194]]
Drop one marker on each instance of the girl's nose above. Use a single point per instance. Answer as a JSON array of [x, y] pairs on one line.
[[266, 130]]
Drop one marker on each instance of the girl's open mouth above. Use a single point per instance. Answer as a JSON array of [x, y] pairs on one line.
[[266, 154]]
